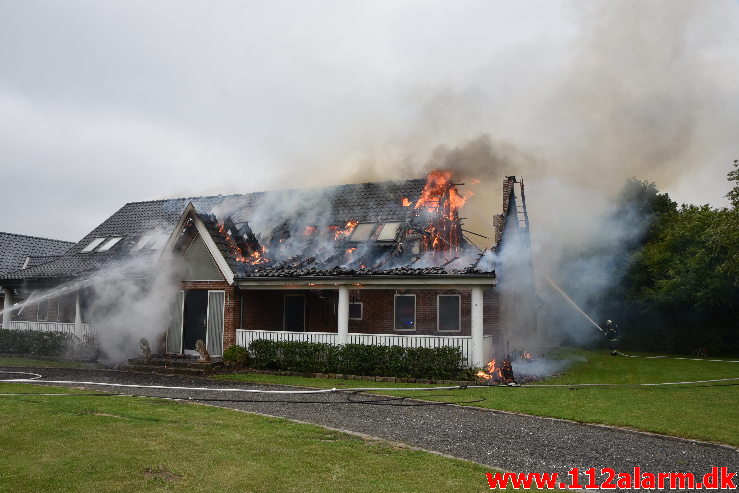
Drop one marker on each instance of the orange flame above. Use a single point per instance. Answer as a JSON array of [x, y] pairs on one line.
[[406, 202], [253, 258], [340, 233], [491, 371], [440, 203]]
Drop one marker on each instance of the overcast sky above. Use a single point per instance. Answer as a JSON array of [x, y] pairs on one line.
[[103, 102]]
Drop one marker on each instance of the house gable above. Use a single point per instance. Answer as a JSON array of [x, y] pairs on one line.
[[198, 264], [193, 243]]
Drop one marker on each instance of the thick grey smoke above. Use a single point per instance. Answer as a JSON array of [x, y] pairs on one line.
[[645, 89], [648, 89]]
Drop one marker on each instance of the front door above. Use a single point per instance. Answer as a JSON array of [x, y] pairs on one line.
[[196, 311]]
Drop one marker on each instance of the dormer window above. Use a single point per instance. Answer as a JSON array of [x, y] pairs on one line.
[[93, 245], [110, 243], [362, 232]]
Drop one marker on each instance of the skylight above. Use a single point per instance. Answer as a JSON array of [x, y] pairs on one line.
[[110, 244], [389, 231], [142, 242], [93, 245], [362, 232], [150, 242], [159, 242]]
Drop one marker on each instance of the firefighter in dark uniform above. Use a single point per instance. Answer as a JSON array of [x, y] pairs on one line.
[[611, 333]]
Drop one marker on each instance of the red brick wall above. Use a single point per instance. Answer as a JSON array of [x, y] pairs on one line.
[[231, 307], [263, 310]]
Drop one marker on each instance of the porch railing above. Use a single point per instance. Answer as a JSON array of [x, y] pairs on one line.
[[245, 337], [86, 330], [464, 343]]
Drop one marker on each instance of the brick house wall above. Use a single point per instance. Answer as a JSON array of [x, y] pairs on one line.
[[231, 306], [263, 310]]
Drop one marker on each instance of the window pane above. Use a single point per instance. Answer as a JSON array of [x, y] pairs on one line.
[[142, 242], [355, 311], [449, 312], [43, 310], [109, 244], [93, 244], [362, 232], [389, 231], [405, 312], [159, 242]]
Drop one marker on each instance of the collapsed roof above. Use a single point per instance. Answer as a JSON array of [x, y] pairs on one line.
[[406, 228]]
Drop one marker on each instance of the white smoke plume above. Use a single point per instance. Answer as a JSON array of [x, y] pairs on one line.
[[129, 302]]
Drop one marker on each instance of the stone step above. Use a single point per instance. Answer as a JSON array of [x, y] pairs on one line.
[[175, 363]]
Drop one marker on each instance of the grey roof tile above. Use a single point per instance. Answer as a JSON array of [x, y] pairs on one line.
[[14, 249], [364, 202]]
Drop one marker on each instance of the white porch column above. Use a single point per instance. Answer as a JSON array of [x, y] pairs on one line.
[[343, 316], [77, 316], [7, 316], [477, 325]]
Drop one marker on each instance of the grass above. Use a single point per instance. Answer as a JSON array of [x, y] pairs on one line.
[[704, 412], [49, 363], [110, 444]]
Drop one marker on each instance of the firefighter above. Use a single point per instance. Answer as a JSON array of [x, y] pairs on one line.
[[611, 333]]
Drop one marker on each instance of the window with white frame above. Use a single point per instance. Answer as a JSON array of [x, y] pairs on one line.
[[152, 241], [448, 312], [405, 312], [355, 310], [110, 243], [92, 245], [362, 231], [389, 231]]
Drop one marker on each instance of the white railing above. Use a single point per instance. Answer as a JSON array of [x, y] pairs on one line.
[[86, 330], [464, 343], [245, 337]]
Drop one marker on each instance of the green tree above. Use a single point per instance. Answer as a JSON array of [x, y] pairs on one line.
[[684, 281], [733, 194]]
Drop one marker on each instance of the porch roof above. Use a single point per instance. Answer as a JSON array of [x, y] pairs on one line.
[[373, 281]]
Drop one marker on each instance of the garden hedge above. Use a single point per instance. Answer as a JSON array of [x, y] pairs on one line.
[[358, 359], [35, 342]]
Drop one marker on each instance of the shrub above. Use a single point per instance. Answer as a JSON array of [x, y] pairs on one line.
[[358, 359], [264, 354], [35, 342], [236, 356]]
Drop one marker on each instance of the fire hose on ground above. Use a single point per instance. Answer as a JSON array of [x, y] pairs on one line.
[[35, 378]]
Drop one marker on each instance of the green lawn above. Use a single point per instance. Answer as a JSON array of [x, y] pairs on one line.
[[704, 412], [105, 444], [45, 363]]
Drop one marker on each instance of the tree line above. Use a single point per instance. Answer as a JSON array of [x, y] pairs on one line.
[[677, 281]]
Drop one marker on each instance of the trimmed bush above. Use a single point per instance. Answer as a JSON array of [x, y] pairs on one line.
[[35, 342], [358, 359], [236, 356]]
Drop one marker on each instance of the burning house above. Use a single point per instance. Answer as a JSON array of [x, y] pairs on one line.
[[372, 263]]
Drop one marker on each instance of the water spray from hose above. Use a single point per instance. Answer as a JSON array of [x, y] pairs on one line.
[[572, 302]]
